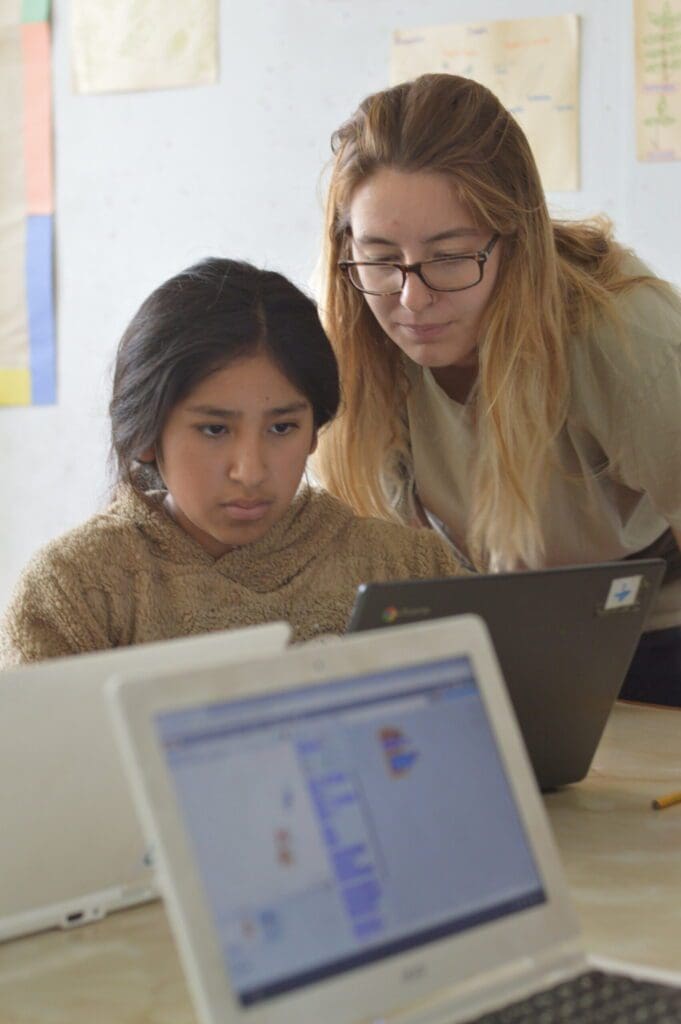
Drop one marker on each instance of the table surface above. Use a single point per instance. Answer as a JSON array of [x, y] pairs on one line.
[[622, 860]]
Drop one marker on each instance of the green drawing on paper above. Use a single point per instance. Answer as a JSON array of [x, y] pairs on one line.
[[666, 20], [662, 116], [662, 49]]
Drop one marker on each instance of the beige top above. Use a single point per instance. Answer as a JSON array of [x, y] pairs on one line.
[[622, 439], [130, 575]]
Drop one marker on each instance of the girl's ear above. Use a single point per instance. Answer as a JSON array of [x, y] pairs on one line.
[[313, 445], [148, 455]]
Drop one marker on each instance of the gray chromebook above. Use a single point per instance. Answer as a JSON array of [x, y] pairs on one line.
[[564, 639]]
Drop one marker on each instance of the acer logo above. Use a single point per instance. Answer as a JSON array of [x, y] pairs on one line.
[[414, 973]]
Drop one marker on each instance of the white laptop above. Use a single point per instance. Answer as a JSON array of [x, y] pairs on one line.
[[71, 847], [374, 848]]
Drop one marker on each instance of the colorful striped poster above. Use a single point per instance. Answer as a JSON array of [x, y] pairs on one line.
[[27, 334]]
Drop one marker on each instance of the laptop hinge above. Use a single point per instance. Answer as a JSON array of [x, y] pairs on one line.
[[496, 987]]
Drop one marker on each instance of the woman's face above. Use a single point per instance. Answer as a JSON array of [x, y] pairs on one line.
[[403, 217]]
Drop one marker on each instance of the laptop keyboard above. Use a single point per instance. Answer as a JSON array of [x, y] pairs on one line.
[[594, 998]]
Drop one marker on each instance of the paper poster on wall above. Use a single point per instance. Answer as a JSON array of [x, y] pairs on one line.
[[27, 337], [119, 45], [658, 79], [531, 64]]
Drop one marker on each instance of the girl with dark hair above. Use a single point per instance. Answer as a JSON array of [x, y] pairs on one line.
[[223, 380]]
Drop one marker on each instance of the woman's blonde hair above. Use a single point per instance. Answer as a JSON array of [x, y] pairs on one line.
[[555, 279]]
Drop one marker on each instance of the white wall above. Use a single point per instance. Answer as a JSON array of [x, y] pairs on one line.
[[147, 183]]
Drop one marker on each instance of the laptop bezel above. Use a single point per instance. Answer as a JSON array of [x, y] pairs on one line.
[[411, 977]]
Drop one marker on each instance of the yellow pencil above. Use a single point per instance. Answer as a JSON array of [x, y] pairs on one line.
[[666, 801]]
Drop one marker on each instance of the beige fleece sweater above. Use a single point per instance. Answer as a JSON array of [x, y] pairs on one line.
[[130, 575]]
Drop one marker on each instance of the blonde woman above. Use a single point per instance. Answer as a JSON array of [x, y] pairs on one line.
[[513, 379]]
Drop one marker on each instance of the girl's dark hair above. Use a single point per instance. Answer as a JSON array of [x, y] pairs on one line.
[[199, 321]]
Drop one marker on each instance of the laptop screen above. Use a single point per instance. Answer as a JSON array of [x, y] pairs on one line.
[[336, 825]]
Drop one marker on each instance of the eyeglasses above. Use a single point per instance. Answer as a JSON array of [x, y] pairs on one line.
[[443, 274]]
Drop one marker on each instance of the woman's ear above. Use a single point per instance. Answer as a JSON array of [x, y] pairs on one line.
[[313, 443]]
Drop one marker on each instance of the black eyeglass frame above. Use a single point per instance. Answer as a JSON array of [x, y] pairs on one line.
[[480, 257]]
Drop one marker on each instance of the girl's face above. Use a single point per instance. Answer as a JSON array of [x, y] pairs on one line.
[[407, 218], [232, 453]]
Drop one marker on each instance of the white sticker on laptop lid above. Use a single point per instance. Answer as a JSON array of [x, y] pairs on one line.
[[623, 592]]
